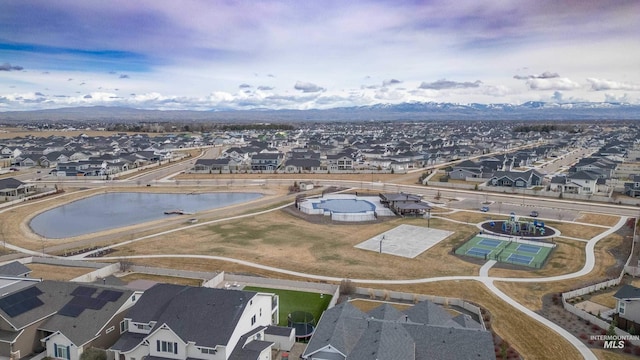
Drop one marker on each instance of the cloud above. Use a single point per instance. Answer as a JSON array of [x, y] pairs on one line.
[[601, 84], [612, 98], [265, 88], [87, 97], [552, 84], [391, 82], [308, 87], [124, 76], [544, 75], [447, 84], [40, 94], [244, 86], [9, 67]]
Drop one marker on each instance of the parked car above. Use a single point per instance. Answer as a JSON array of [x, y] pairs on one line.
[[484, 209], [534, 214], [14, 169]]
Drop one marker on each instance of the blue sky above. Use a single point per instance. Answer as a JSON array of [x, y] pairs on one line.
[[203, 55]]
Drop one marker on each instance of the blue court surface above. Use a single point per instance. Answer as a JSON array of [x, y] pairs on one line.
[[489, 243], [474, 251], [528, 248], [520, 259]]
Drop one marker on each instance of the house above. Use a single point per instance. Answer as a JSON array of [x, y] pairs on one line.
[[60, 318], [14, 269], [466, 169], [212, 165], [11, 189], [424, 331], [520, 179], [340, 161], [581, 182], [301, 165], [633, 188], [184, 322], [266, 161], [628, 307]]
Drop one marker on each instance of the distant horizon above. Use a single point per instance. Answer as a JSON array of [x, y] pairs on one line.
[[281, 55]]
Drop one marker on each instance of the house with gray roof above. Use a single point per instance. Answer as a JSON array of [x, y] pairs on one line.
[[424, 331], [628, 307], [60, 318], [184, 322], [519, 179], [12, 188], [633, 188], [14, 268]]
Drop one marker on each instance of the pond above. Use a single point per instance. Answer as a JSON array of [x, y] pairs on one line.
[[113, 210]]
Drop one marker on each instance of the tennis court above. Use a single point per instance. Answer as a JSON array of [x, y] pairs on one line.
[[528, 248], [520, 259], [474, 251], [514, 251], [490, 243]]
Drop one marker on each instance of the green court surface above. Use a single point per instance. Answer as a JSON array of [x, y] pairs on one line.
[[525, 254], [291, 301]]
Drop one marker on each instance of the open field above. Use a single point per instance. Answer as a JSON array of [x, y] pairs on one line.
[[55, 272], [291, 301], [575, 230], [608, 355], [161, 279], [283, 240], [472, 216], [530, 294], [598, 219]]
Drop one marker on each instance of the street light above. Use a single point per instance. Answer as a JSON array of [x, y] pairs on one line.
[[381, 243]]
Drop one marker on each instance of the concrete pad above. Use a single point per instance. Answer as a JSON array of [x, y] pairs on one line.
[[405, 240]]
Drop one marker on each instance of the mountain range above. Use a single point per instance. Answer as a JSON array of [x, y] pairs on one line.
[[415, 111]]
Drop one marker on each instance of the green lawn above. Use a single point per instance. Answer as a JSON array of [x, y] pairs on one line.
[[296, 301]]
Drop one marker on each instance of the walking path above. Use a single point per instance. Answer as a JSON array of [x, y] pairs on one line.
[[483, 276]]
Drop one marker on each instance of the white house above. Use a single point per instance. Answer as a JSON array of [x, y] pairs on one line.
[[180, 322]]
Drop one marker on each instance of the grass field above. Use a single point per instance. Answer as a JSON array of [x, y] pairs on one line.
[[291, 301]]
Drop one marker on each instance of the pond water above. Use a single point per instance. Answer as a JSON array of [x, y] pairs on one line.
[[113, 210]]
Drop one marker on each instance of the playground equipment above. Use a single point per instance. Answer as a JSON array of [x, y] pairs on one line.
[[515, 226]]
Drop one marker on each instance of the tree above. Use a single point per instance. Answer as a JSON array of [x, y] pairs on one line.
[[612, 328]]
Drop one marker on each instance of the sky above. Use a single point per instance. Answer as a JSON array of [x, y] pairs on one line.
[[315, 54]]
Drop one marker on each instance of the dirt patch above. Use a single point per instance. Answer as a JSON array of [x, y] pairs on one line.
[[598, 219], [161, 279]]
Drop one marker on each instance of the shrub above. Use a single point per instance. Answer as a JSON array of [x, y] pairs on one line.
[[93, 354]]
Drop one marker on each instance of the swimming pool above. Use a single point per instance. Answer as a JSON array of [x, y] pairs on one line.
[[345, 205]]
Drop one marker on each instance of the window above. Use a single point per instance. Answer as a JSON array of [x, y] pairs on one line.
[[167, 346], [61, 351], [110, 329], [207, 351], [621, 306], [253, 319], [124, 326]]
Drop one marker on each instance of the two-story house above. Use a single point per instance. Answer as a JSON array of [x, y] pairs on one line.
[[183, 322]]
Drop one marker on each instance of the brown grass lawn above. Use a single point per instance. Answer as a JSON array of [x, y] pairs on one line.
[[365, 178], [605, 298], [530, 294], [55, 272], [161, 279], [576, 231], [472, 217], [566, 258], [283, 240], [608, 355], [367, 305], [598, 219]]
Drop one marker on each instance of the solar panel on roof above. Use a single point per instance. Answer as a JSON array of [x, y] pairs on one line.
[[19, 297], [71, 310], [109, 295], [83, 291], [23, 306]]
